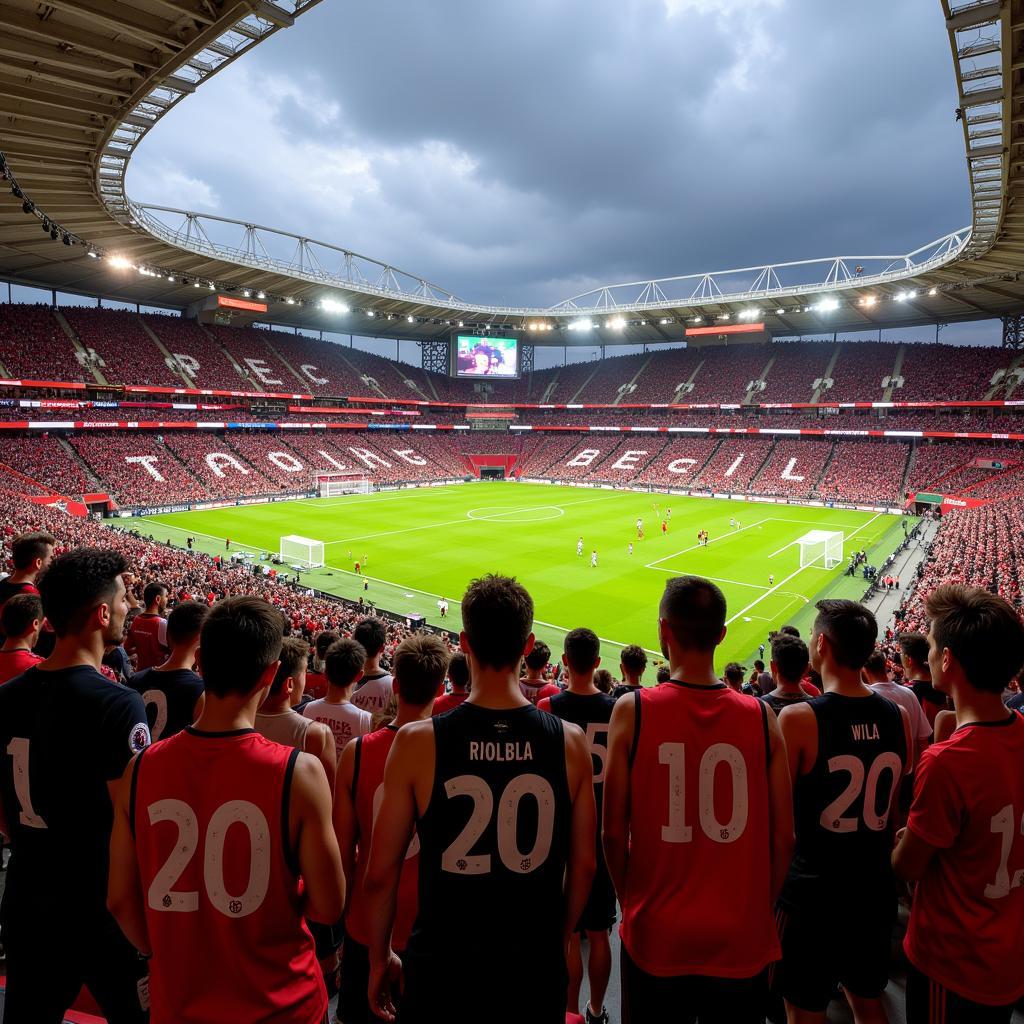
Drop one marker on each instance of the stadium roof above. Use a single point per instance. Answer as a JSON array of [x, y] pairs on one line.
[[85, 81]]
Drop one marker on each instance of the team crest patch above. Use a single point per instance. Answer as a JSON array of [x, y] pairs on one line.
[[139, 738]]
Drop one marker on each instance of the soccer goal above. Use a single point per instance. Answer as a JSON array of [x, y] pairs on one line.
[[821, 546], [330, 485], [296, 550]]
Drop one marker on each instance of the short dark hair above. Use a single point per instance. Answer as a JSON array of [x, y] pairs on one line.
[[851, 630], [664, 674], [185, 622], [294, 652], [458, 670], [759, 665], [914, 646], [790, 656], [344, 661], [633, 659], [694, 609], [240, 639], [497, 615], [582, 649], [372, 634], [76, 582], [790, 631], [981, 630], [603, 680], [539, 655], [153, 591], [27, 547], [876, 663], [734, 672], [419, 664], [19, 612], [324, 639]]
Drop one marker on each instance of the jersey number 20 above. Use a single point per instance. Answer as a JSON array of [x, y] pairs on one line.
[[161, 894]]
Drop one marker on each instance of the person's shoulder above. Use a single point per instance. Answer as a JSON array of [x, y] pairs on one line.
[[138, 681]]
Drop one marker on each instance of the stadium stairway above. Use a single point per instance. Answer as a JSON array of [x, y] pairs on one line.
[[626, 392], [682, 396], [69, 449], [897, 369], [176, 368], [829, 370], [83, 353], [227, 355], [753, 393]]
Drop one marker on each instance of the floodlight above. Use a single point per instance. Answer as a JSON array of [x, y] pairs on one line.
[[869, 300], [291, 302], [933, 291], [261, 295], [617, 323], [119, 262], [827, 305]]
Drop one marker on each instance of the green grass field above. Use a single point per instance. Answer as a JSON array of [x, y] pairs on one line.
[[418, 545]]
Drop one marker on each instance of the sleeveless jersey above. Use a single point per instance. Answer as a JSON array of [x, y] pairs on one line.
[[220, 882], [368, 791], [286, 727], [778, 703], [592, 713], [494, 842], [147, 637], [170, 698], [842, 805], [698, 898]]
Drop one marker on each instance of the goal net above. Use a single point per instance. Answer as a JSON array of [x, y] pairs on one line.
[[296, 550], [330, 485], [824, 547]]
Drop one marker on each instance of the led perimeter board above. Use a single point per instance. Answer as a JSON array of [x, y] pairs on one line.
[[481, 357]]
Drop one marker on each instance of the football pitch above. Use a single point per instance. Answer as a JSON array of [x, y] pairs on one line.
[[418, 545]]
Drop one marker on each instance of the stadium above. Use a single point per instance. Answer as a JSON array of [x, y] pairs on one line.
[[185, 391]]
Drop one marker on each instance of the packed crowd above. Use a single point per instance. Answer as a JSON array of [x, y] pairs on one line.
[[754, 831], [32, 344]]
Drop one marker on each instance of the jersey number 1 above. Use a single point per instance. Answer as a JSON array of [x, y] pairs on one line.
[[18, 749]]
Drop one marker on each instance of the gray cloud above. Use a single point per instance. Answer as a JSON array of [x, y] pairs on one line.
[[521, 153]]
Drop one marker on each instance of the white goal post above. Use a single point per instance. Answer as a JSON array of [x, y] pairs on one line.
[[308, 553], [330, 485], [821, 546]]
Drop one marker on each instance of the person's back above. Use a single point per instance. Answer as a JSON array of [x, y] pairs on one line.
[[172, 691], [68, 733], [849, 750], [632, 663], [964, 840], [343, 666], [914, 655], [700, 786], [788, 663], [458, 676], [697, 826], [501, 796], [30, 555], [218, 822], [503, 769]]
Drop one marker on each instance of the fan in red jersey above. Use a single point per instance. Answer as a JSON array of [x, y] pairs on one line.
[[964, 840], [696, 791], [21, 621], [458, 676], [223, 844], [31, 553], [419, 663]]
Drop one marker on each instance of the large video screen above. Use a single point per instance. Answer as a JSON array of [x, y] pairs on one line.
[[486, 357]]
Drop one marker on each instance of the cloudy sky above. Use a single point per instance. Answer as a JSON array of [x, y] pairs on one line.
[[523, 152]]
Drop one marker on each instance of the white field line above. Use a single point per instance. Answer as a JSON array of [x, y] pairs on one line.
[[771, 590], [695, 547], [209, 536], [846, 536], [368, 499], [474, 519], [715, 579], [427, 593]]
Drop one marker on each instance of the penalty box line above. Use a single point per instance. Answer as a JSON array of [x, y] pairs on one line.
[[695, 547]]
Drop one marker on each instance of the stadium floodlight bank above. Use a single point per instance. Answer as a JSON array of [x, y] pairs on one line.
[[302, 551], [824, 547], [331, 485]]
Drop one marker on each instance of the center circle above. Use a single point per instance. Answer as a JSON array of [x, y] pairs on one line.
[[516, 513]]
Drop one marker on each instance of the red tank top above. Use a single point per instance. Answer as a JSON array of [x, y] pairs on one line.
[[698, 896], [220, 883], [144, 636], [371, 756]]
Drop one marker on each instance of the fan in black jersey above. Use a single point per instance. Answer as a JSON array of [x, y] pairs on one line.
[[173, 691], [848, 751], [789, 663], [502, 799], [68, 733], [583, 704]]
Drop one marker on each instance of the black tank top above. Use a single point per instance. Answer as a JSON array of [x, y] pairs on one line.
[[494, 841], [591, 712], [842, 806]]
